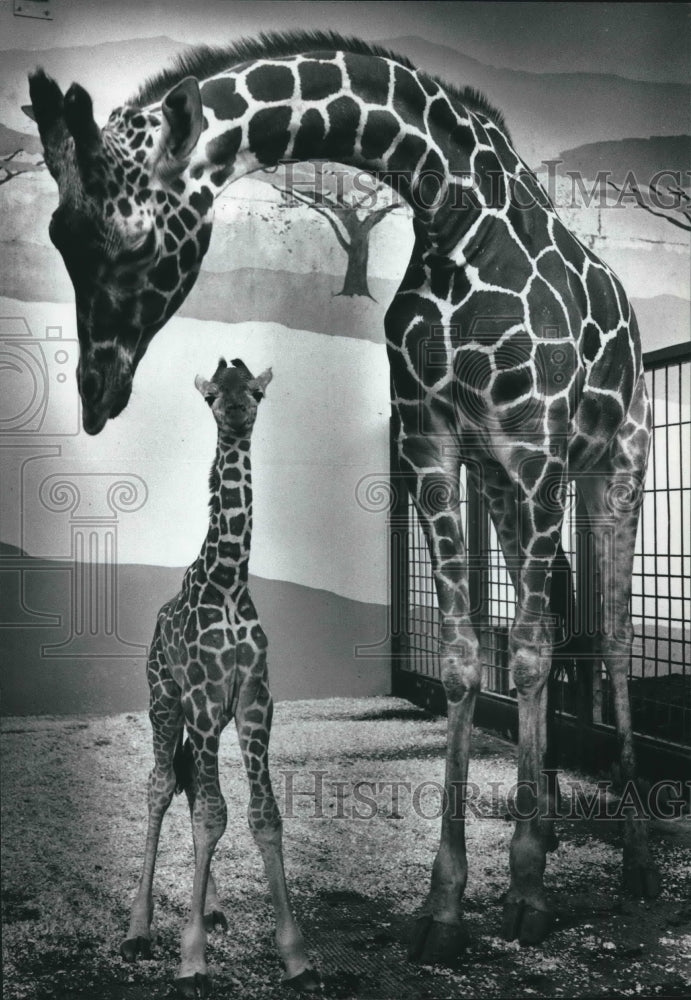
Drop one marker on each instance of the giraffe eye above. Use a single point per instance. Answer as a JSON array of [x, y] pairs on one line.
[[141, 253]]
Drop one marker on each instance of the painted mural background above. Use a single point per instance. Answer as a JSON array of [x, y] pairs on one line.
[[95, 532]]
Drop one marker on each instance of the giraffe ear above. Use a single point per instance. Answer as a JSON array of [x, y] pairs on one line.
[[29, 112], [47, 105], [181, 128], [209, 390], [258, 385], [79, 118]]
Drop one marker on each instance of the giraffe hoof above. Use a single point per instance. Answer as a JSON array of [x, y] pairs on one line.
[[215, 919], [307, 981], [527, 923], [198, 985], [642, 880], [137, 947], [437, 943], [551, 841]]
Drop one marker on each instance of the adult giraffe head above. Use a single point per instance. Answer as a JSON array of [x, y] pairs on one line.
[[130, 225]]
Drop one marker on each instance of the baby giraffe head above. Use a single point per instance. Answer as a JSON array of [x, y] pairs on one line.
[[234, 395]]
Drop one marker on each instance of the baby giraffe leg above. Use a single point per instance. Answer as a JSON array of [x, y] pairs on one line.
[[253, 721], [213, 911], [166, 722], [209, 817]]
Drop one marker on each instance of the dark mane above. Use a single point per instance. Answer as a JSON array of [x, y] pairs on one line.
[[204, 61]]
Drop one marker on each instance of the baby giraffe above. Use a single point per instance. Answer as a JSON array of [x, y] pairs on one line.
[[207, 665]]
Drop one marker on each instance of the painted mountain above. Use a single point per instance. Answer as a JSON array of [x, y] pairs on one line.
[[313, 636], [547, 112], [622, 159]]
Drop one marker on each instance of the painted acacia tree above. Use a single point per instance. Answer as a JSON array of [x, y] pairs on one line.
[[674, 204], [351, 219], [16, 167]]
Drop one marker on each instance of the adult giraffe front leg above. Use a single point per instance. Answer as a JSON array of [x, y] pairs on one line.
[[431, 467]]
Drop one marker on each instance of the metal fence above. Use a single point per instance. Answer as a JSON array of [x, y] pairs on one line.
[[660, 673]]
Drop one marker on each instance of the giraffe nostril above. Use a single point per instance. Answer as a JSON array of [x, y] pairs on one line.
[[91, 386]]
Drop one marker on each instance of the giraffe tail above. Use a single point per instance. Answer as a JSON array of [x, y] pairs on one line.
[[564, 658], [183, 764]]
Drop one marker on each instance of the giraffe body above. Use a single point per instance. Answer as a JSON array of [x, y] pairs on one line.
[[513, 349], [207, 666]]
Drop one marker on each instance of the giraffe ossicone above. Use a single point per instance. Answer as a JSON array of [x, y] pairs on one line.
[[207, 666], [513, 350]]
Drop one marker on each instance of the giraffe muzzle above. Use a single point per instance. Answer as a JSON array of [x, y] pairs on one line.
[[102, 398]]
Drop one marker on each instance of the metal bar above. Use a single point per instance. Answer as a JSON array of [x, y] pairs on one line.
[[399, 550], [665, 357], [477, 549]]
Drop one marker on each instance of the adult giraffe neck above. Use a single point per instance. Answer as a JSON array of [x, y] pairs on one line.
[[226, 550], [365, 111]]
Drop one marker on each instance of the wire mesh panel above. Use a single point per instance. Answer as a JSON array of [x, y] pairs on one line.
[[661, 599], [660, 676]]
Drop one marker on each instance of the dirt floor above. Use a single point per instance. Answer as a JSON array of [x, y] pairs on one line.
[[358, 863]]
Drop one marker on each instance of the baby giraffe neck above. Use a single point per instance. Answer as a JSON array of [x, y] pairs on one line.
[[226, 550]]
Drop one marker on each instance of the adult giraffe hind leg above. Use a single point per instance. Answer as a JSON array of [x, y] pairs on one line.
[[439, 936], [539, 488], [612, 493], [500, 496]]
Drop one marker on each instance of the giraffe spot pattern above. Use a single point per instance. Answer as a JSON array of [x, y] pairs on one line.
[[270, 83], [381, 128], [318, 80], [269, 135], [310, 134], [220, 95], [410, 100], [224, 147], [369, 80]]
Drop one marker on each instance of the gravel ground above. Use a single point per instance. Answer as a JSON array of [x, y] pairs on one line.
[[73, 822]]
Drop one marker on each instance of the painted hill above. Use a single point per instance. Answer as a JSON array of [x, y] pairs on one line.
[[645, 157], [11, 139], [312, 637], [547, 112], [110, 72], [297, 300], [309, 301]]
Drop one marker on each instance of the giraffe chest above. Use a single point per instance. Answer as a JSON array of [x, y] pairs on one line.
[[211, 637]]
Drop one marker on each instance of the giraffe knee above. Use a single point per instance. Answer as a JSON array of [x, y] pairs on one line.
[[461, 670], [617, 642], [161, 788], [530, 654], [209, 817], [530, 667], [264, 819]]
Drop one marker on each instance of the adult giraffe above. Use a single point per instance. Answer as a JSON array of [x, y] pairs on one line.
[[513, 349]]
